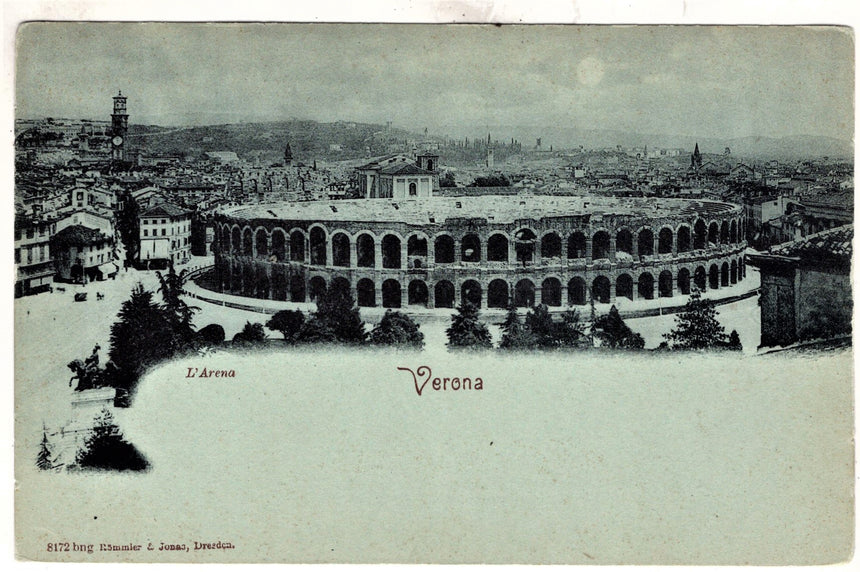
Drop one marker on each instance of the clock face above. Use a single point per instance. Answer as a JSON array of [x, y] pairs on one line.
[[117, 140]]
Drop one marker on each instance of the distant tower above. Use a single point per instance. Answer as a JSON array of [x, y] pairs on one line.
[[119, 127], [288, 156], [490, 160], [537, 145], [696, 159]]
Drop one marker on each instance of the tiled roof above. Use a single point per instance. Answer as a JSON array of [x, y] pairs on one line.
[[828, 243], [165, 209], [404, 169], [78, 235]]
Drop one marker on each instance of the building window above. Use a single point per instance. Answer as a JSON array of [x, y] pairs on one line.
[[413, 189], [145, 232], [163, 232]]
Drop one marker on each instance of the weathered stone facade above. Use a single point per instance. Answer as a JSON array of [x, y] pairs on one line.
[[554, 259]]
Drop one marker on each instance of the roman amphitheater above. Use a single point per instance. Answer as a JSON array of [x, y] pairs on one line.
[[490, 250]]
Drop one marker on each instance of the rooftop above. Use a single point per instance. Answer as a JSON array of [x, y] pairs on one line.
[[78, 235], [165, 209], [827, 243], [495, 208]]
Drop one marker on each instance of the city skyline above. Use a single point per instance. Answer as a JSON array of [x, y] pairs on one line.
[[718, 82]]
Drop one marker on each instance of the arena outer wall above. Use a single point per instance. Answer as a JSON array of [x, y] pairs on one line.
[[555, 259]]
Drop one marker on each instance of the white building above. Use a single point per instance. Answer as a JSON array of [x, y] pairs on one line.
[[165, 234]]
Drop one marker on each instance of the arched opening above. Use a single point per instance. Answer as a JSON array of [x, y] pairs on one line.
[[684, 239], [700, 278], [551, 292], [733, 232], [470, 248], [734, 272], [443, 294], [471, 292], [665, 284], [600, 245], [524, 246], [318, 246], [724, 274], [576, 292], [713, 277], [497, 248], [684, 281], [497, 294], [297, 246], [576, 245], [297, 288], [416, 246], [550, 246], [444, 249], [365, 248], [248, 288], [316, 288], [600, 290], [413, 189], [366, 293], [713, 234], [664, 245], [724, 233], [340, 250], [646, 242], [418, 293], [700, 235], [236, 242], [390, 251], [624, 241], [646, 286], [390, 293], [340, 286], [279, 283], [262, 243], [430, 165], [624, 287], [279, 245], [247, 243], [262, 285], [524, 293], [742, 269]]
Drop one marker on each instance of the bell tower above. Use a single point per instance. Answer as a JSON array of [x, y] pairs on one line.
[[119, 127]]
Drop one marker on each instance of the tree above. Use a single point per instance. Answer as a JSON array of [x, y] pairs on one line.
[[142, 335], [514, 334], [337, 311], [613, 333], [288, 322], [172, 289], [315, 331], [466, 330], [447, 180], [128, 224], [570, 332], [44, 459], [697, 326], [397, 329], [491, 181], [735, 341], [212, 334], [539, 323], [250, 334], [106, 449]]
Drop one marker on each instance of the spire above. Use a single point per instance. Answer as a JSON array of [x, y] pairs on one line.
[[696, 159], [288, 156]]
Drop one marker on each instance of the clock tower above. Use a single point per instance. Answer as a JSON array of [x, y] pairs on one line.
[[119, 127]]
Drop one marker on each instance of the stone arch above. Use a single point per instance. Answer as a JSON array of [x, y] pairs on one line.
[[318, 243], [684, 281], [297, 288], [624, 286], [236, 240], [600, 290], [724, 232], [416, 245], [279, 244], [340, 249], [733, 277], [391, 245], [600, 245], [443, 294], [470, 248], [733, 232], [365, 247], [525, 240], [471, 291], [247, 242], [418, 293], [443, 249], [524, 293], [551, 292], [391, 294], [684, 238], [664, 286], [624, 241], [665, 240], [366, 293], [646, 286], [700, 278], [713, 233], [316, 288], [724, 274], [261, 241], [713, 277], [550, 245], [497, 248], [576, 245], [497, 294], [645, 242], [297, 246], [340, 285], [576, 292], [700, 235]]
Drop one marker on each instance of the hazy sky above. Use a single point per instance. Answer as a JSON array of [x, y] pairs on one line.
[[701, 81]]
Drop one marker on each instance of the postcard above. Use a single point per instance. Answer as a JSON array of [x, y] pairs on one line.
[[390, 293]]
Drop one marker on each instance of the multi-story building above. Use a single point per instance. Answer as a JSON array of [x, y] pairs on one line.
[[82, 254], [35, 267], [165, 235]]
